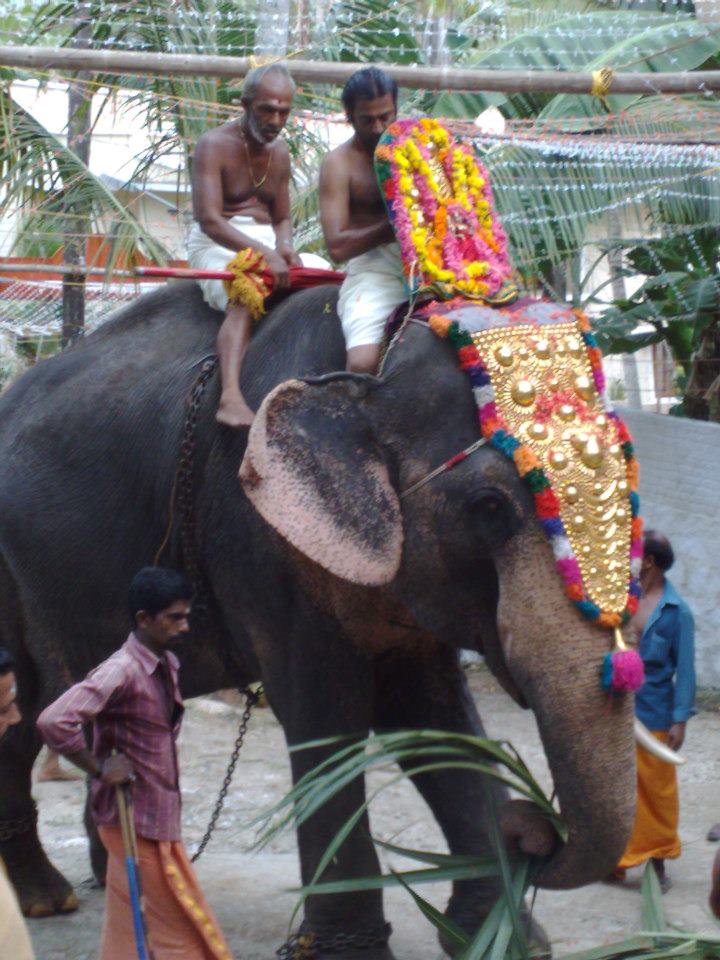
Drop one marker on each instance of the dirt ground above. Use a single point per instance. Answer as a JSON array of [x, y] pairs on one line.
[[251, 892]]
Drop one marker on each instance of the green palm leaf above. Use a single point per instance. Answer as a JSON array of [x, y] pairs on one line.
[[548, 42], [670, 46], [41, 175]]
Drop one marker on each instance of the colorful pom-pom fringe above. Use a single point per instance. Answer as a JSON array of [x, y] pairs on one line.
[[622, 671]]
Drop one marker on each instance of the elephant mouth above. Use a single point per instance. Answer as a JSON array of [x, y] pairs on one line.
[[492, 645]]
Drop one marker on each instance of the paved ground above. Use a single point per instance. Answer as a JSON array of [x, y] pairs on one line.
[[250, 891]]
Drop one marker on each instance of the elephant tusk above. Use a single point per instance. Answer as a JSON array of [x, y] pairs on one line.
[[650, 743]]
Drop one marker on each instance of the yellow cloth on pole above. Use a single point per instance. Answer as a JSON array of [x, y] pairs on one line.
[[655, 833], [248, 289]]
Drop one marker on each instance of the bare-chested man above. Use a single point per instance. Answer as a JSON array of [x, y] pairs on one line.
[[240, 187], [355, 222]]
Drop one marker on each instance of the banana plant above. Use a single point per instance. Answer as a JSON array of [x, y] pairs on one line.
[[678, 303]]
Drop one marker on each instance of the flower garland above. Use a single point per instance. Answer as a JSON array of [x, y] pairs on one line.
[[440, 203], [622, 668]]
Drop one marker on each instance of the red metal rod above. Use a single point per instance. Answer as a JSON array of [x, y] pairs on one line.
[[182, 273], [299, 276]]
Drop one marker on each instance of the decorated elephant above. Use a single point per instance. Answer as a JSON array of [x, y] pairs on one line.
[[344, 571]]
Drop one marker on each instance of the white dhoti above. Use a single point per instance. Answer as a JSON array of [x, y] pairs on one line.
[[373, 287], [206, 254]]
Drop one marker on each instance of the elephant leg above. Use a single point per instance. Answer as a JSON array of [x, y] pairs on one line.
[[42, 890], [431, 692], [98, 853], [324, 689]]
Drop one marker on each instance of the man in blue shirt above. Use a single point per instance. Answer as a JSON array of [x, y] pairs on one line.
[[665, 629]]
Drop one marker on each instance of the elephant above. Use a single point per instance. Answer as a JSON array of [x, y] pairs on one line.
[[349, 601]]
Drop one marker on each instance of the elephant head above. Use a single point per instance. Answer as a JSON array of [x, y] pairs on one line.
[[327, 464]]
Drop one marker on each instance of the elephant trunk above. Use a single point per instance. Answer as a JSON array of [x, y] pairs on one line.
[[555, 658], [594, 774]]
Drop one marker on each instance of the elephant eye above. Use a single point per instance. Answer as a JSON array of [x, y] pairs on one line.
[[488, 501], [492, 515]]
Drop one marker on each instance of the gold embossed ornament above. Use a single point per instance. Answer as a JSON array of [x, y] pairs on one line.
[[538, 383]]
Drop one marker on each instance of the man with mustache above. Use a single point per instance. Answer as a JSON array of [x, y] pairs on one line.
[[355, 222], [240, 189], [132, 700]]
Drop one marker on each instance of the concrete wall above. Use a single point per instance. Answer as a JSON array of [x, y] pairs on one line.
[[680, 496]]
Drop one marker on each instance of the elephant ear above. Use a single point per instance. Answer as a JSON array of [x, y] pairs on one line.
[[315, 472]]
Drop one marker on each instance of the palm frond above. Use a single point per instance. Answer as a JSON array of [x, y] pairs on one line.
[[43, 178]]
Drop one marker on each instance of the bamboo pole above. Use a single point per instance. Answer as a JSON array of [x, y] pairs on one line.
[[308, 71]]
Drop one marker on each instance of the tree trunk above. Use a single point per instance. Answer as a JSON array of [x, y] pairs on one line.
[[633, 394], [702, 396], [77, 220]]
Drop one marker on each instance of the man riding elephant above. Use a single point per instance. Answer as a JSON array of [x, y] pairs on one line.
[[241, 201], [355, 222]]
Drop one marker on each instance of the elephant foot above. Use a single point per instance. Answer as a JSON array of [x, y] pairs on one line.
[[539, 946], [470, 917], [42, 891]]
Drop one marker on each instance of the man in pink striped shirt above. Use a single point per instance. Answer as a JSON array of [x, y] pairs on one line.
[[133, 701]]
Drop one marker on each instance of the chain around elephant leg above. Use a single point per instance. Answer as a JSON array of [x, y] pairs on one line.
[[370, 944]]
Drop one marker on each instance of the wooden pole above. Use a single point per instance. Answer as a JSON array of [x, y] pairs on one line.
[[43, 59], [77, 221]]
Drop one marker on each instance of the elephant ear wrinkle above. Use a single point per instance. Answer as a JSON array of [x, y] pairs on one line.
[[315, 472]]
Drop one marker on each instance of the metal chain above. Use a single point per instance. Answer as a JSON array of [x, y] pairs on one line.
[[185, 486], [251, 698], [306, 946], [18, 826], [184, 493]]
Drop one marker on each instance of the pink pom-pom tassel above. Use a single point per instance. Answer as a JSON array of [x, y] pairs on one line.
[[623, 671]]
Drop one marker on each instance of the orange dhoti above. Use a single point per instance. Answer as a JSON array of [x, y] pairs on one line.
[[181, 925], [655, 833]]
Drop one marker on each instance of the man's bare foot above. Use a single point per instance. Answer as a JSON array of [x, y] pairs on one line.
[[234, 412], [364, 359], [50, 769]]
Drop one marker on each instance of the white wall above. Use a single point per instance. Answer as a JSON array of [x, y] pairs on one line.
[[680, 496]]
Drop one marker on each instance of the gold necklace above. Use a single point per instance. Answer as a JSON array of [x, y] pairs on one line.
[[261, 181]]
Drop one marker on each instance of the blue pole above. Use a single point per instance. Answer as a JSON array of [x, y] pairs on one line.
[[135, 903]]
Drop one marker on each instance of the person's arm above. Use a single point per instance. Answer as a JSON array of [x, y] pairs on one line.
[[342, 240], [207, 197], [14, 938], [683, 653], [281, 218], [61, 723]]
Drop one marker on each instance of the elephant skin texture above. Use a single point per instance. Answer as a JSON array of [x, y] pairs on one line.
[[347, 600]]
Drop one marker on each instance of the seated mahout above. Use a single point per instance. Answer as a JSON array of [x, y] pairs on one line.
[[355, 221], [241, 205]]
